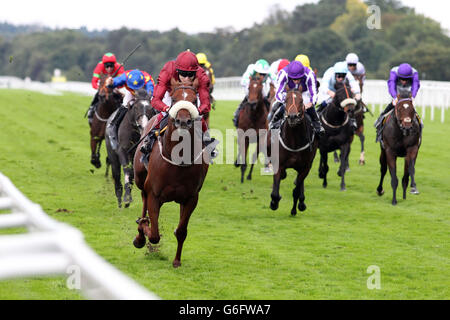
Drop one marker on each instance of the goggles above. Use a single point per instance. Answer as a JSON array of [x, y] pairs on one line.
[[109, 65], [188, 74]]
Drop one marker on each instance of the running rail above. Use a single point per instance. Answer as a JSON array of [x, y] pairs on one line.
[[54, 248]]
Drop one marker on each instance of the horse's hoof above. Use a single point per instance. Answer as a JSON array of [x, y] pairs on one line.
[[394, 202], [127, 204], [380, 192], [343, 189], [249, 177], [324, 185], [176, 263], [301, 206], [293, 212], [154, 240], [362, 162], [273, 205], [139, 243], [414, 191], [236, 164]]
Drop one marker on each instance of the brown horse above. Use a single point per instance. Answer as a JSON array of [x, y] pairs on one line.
[[168, 178], [297, 149], [252, 119], [401, 137], [109, 101]]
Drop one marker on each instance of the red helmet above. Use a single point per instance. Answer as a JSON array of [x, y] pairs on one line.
[[109, 57], [187, 61], [283, 63]]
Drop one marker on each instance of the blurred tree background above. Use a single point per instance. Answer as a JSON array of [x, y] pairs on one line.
[[325, 31]]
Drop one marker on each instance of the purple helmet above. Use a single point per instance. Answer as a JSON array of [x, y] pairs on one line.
[[295, 70], [405, 71]]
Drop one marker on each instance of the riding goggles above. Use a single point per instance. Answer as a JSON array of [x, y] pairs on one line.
[[109, 65], [341, 75], [188, 74]]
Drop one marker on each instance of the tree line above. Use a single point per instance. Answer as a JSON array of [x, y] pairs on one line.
[[326, 31]]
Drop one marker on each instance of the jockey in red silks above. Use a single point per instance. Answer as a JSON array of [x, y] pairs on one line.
[[108, 66], [184, 69]]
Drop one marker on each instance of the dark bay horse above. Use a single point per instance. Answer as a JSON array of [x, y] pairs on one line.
[[338, 132], [169, 179], [401, 137], [109, 101], [129, 132], [252, 119], [297, 149]]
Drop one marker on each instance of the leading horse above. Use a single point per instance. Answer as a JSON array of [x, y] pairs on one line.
[[129, 131], [401, 137], [167, 178], [297, 149], [109, 100]]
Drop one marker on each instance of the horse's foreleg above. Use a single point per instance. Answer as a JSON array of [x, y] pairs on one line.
[[323, 167], [95, 156], [345, 150], [383, 170], [254, 158], [391, 160], [276, 189], [139, 240], [128, 179], [186, 210], [362, 138], [116, 174], [153, 206], [412, 170], [405, 179], [336, 158], [108, 164], [244, 160]]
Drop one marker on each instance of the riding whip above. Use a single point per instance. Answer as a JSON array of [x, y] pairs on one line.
[[125, 60]]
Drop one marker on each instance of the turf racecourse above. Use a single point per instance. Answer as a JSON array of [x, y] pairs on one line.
[[237, 248]]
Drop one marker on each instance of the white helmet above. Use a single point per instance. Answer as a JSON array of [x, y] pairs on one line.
[[352, 58]]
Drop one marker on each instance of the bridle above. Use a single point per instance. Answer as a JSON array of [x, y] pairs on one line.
[[293, 105], [397, 118]]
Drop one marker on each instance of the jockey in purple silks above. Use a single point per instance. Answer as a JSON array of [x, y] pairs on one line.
[[295, 75], [403, 77]]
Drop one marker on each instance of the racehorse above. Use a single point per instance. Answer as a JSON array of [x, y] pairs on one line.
[[169, 179], [252, 119], [359, 117], [338, 132], [297, 149], [401, 137], [129, 132], [109, 101]]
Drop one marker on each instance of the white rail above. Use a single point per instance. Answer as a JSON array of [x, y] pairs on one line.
[[432, 94], [53, 248]]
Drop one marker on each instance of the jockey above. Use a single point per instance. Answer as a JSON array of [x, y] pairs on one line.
[[206, 65], [401, 77], [260, 68], [108, 66], [295, 75], [304, 59], [133, 80], [356, 67], [184, 69], [338, 73]]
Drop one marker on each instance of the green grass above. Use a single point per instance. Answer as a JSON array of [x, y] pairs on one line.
[[237, 248]]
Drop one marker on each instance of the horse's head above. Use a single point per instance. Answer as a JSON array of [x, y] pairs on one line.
[[344, 98], [184, 91], [405, 112], [255, 91], [105, 93], [295, 109], [141, 111]]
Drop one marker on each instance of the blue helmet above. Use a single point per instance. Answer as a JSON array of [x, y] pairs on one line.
[[340, 67], [135, 79]]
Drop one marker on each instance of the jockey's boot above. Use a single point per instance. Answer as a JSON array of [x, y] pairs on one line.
[[114, 126], [149, 141], [277, 117], [210, 144], [237, 112], [317, 126], [90, 113], [275, 107], [378, 123], [322, 106]]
